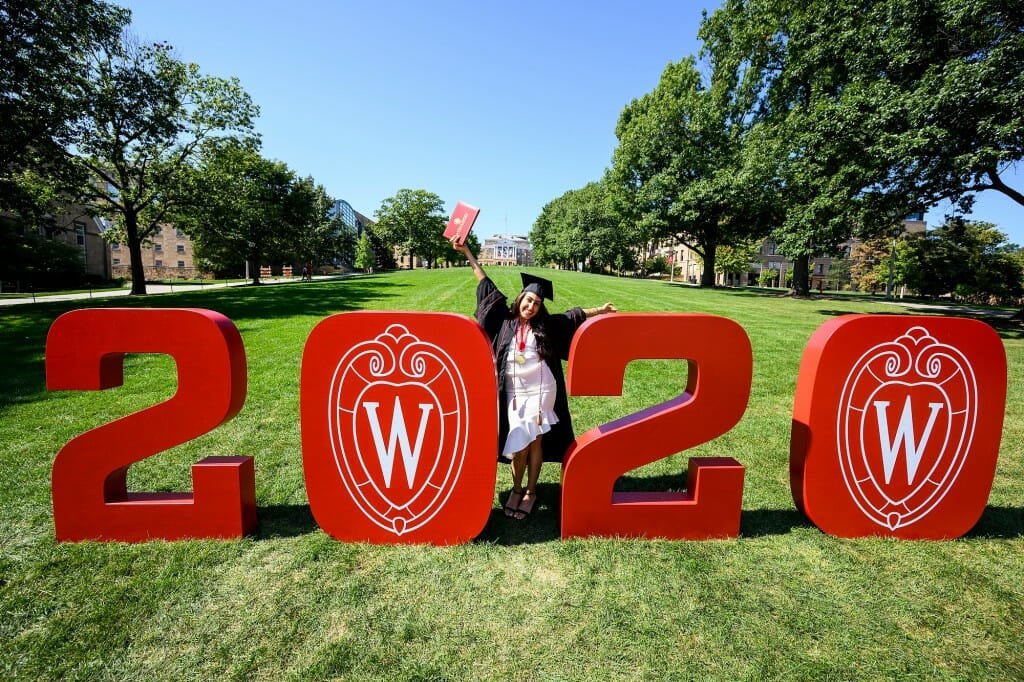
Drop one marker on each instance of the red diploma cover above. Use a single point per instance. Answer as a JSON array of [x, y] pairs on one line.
[[461, 222]]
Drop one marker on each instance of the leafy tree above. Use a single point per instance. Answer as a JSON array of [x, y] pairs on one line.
[[364, 253], [838, 273], [579, 230], [148, 116], [873, 110], [656, 265], [866, 262], [383, 253], [413, 221], [969, 260], [30, 259], [677, 172], [245, 205], [453, 257], [736, 260], [556, 237], [324, 237], [960, 98], [254, 206], [42, 77], [800, 142]]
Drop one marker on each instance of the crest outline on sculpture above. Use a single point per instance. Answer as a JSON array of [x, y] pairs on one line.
[[923, 439], [369, 450]]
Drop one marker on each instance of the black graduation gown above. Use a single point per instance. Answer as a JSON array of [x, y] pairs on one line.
[[499, 324]]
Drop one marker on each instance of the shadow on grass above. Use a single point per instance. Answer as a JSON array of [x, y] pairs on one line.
[[999, 523], [23, 341], [284, 521], [1007, 328], [543, 524]]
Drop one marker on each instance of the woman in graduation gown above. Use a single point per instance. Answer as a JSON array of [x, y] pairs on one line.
[[529, 345]]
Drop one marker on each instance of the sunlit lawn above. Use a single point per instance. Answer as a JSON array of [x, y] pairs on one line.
[[784, 601]]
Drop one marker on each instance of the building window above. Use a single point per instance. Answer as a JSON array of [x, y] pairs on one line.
[[181, 264], [181, 248], [115, 247], [158, 262], [158, 247], [80, 233], [117, 261], [178, 233]]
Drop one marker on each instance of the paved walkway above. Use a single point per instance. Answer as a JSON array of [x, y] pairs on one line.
[[150, 289]]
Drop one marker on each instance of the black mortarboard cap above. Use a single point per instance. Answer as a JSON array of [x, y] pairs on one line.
[[538, 285]]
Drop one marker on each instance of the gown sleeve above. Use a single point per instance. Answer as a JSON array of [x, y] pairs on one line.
[[491, 307], [564, 327]]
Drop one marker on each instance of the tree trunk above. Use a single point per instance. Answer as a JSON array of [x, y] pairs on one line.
[[707, 275], [254, 269], [131, 224], [801, 277]]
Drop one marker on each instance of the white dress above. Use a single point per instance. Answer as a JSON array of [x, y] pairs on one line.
[[531, 396]]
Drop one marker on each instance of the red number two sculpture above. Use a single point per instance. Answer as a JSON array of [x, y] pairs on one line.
[[85, 351]]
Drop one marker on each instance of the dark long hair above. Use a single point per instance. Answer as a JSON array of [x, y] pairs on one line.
[[539, 325]]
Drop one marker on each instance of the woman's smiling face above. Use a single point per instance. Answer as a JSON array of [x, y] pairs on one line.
[[529, 305]]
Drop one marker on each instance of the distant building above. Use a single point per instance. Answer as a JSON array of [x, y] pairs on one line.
[[169, 256], [687, 265], [506, 249], [74, 226], [355, 223]]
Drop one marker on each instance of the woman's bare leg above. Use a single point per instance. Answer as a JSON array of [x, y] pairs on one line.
[[534, 459], [515, 497]]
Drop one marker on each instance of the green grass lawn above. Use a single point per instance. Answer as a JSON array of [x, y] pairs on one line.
[[783, 601]]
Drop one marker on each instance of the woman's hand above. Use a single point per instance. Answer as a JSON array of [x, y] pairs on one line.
[[464, 250], [606, 308]]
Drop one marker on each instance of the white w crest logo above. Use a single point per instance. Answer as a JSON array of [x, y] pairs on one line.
[[904, 436], [399, 435]]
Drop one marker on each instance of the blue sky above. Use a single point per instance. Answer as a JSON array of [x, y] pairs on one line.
[[502, 105]]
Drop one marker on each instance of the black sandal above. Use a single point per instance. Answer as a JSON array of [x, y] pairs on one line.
[[526, 512], [510, 509]]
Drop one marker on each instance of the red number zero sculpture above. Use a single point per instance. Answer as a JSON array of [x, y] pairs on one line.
[[399, 424], [896, 425]]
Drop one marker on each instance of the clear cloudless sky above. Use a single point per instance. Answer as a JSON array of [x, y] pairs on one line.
[[503, 105]]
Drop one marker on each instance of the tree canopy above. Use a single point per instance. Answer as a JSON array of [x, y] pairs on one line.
[[579, 230], [970, 260], [244, 206], [323, 236], [44, 74], [413, 221], [872, 110], [148, 116], [678, 171]]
